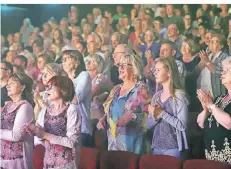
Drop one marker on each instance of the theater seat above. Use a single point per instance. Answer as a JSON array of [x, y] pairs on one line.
[[89, 158], [205, 164], [118, 160], [160, 162], [39, 151]]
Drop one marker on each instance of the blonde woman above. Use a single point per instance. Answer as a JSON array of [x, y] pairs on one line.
[[168, 112], [87, 29], [56, 48], [124, 108]]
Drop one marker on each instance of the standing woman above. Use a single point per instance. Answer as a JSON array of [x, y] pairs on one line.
[[16, 144], [59, 125], [215, 119], [124, 108], [168, 112], [74, 66], [58, 38]]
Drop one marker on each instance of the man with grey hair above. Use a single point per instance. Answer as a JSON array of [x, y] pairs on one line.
[[93, 47]]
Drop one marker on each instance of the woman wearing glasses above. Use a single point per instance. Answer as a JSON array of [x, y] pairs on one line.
[[124, 108], [168, 112], [59, 126], [74, 66], [16, 144], [215, 119]]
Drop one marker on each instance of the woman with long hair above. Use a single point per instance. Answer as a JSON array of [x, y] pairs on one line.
[[168, 112]]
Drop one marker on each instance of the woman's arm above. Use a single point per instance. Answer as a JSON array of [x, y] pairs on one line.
[[73, 129], [82, 86], [201, 118], [24, 115], [151, 122], [221, 116]]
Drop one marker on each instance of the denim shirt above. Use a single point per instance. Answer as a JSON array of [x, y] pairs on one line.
[[82, 85]]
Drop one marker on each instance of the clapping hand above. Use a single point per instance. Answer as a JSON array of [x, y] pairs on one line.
[[205, 98], [204, 57], [155, 110]]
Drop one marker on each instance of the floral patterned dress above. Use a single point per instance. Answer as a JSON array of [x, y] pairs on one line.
[[16, 145], [57, 156], [218, 138], [130, 137]]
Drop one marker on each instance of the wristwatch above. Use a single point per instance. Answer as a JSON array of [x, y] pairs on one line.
[[211, 107]]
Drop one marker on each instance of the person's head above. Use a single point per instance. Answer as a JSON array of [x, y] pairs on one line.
[[17, 47], [76, 39], [95, 63], [130, 68], [205, 6], [137, 25], [166, 73], [26, 22], [18, 37], [226, 73], [60, 88], [76, 31], [18, 69], [6, 70], [10, 39], [64, 24], [36, 31], [115, 39], [56, 48], [187, 19], [223, 7], [57, 36], [81, 47], [20, 85], [178, 11], [87, 29], [145, 25], [106, 50], [53, 23], [167, 49], [31, 60], [158, 22], [10, 56], [217, 43], [149, 36], [126, 20], [73, 60], [163, 12], [93, 43], [74, 9], [52, 54], [173, 31], [43, 59], [202, 29], [200, 12], [21, 60], [208, 36], [189, 47], [46, 28], [96, 12], [90, 18], [51, 70], [169, 9], [119, 9], [186, 8], [141, 15], [119, 51], [37, 47]]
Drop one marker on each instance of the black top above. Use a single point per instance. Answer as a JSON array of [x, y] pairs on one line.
[[4, 96], [217, 138], [115, 76], [191, 84]]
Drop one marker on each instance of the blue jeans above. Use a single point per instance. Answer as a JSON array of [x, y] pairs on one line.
[[171, 152]]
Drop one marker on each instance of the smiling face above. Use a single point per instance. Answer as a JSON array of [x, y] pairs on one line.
[[186, 49], [215, 45], [69, 63], [125, 69], [14, 88], [53, 93], [226, 75]]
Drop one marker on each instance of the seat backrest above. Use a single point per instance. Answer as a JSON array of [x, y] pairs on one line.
[[205, 164], [118, 160], [89, 158], [160, 162]]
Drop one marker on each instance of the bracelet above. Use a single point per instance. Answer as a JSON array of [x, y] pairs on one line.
[[208, 63], [211, 107]]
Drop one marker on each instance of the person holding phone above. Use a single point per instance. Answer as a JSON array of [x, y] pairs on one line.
[[168, 111]]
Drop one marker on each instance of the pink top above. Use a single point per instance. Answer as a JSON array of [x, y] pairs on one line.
[[16, 144]]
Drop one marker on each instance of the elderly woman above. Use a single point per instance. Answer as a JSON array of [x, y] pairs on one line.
[[209, 79], [124, 108], [74, 66], [100, 84], [16, 144], [215, 119], [59, 126]]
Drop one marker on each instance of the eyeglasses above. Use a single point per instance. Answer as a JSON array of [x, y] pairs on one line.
[[65, 59], [123, 65], [49, 87], [3, 68]]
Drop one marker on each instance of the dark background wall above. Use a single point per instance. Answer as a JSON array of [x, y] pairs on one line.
[[12, 15]]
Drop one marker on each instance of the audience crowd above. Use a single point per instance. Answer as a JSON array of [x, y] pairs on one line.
[[153, 81]]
